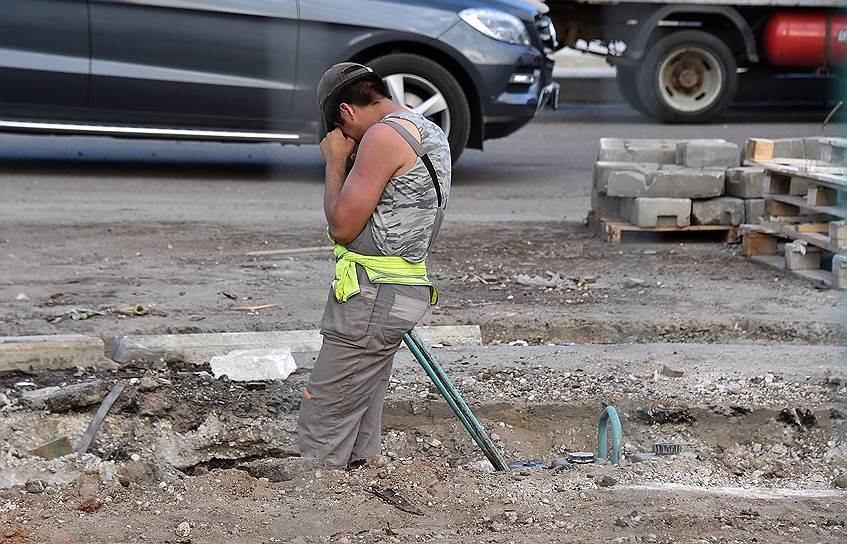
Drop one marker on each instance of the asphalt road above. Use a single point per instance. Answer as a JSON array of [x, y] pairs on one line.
[[541, 173]]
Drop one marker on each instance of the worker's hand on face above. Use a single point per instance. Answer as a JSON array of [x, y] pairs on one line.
[[336, 148]]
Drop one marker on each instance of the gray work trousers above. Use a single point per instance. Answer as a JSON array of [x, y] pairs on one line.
[[341, 409]]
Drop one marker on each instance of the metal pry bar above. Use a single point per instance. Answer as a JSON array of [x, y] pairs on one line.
[[445, 386]]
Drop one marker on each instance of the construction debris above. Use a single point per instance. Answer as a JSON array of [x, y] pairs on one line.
[[254, 365]]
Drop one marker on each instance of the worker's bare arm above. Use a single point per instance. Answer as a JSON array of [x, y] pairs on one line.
[[349, 203]]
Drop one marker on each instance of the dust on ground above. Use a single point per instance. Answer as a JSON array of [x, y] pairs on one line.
[[192, 276], [761, 428]]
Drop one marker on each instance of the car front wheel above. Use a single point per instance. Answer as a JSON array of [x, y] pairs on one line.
[[425, 87]]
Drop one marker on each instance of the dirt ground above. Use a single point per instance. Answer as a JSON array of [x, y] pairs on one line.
[[190, 276], [764, 457], [758, 409]]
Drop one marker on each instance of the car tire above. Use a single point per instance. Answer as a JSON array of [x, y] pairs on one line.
[[625, 77], [688, 76], [421, 79]]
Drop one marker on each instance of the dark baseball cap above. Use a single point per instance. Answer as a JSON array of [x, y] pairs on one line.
[[332, 82]]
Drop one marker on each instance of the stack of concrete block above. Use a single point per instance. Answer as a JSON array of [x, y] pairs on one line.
[[675, 183]]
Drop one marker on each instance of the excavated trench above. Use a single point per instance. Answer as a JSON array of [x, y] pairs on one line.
[[181, 422]]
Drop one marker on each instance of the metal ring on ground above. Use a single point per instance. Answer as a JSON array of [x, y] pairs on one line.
[[610, 414]]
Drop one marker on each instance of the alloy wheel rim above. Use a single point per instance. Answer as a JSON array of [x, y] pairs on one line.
[[421, 96]]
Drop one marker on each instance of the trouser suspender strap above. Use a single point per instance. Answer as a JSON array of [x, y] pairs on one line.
[[420, 152]]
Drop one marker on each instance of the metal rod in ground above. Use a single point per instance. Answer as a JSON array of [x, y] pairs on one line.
[[445, 386], [483, 442], [444, 393], [94, 426], [463, 406]]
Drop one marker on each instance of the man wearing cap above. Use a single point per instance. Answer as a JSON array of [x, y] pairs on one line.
[[383, 217]]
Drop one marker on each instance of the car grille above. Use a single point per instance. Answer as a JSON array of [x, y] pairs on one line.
[[547, 33]]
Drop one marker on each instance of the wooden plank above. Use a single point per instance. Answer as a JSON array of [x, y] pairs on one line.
[[799, 202], [759, 149], [822, 196], [612, 230], [816, 234], [756, 243], [829, 176], [292, 251], [812, 227]]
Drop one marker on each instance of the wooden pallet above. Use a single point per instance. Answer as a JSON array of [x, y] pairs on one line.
[[765, 244], [805, 190], [612, 229]]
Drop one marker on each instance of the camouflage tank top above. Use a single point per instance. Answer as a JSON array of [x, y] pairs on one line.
[[407, 218]]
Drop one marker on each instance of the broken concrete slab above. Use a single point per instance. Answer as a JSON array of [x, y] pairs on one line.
[[200, 348], [754, 210], [51, 352], [658, 212], [604, 169], [254, 365], [68, 397], [725, 210], [637, 150], [707, 154], [745, 182], [672, 182]]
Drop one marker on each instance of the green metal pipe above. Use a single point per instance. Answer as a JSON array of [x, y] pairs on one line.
[[445, 386], [463, 406], [610, 414]]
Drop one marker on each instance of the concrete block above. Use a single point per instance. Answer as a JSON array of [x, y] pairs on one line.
[[707, 154], [659, 212], [801, 256], [726, 210], [754, 210], [200, 348], [839, 271], [603, 170], [33, 353], [745, 182], [661, 180], [605, 206], [637, 150], [834, 151], [838, 232]]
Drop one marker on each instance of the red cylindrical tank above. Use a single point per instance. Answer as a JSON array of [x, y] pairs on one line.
[[799, 39]]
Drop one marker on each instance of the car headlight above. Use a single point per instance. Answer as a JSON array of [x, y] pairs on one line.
[[496, 24]]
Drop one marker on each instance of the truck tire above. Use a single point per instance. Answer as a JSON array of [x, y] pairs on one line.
[[422, 80], [625, 77], [688, 76]]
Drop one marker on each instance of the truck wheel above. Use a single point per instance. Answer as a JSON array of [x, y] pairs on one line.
[[426, 87], [687, 77], [625, 77]]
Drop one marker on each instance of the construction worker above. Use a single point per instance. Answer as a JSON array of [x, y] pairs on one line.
[[383, 217]]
